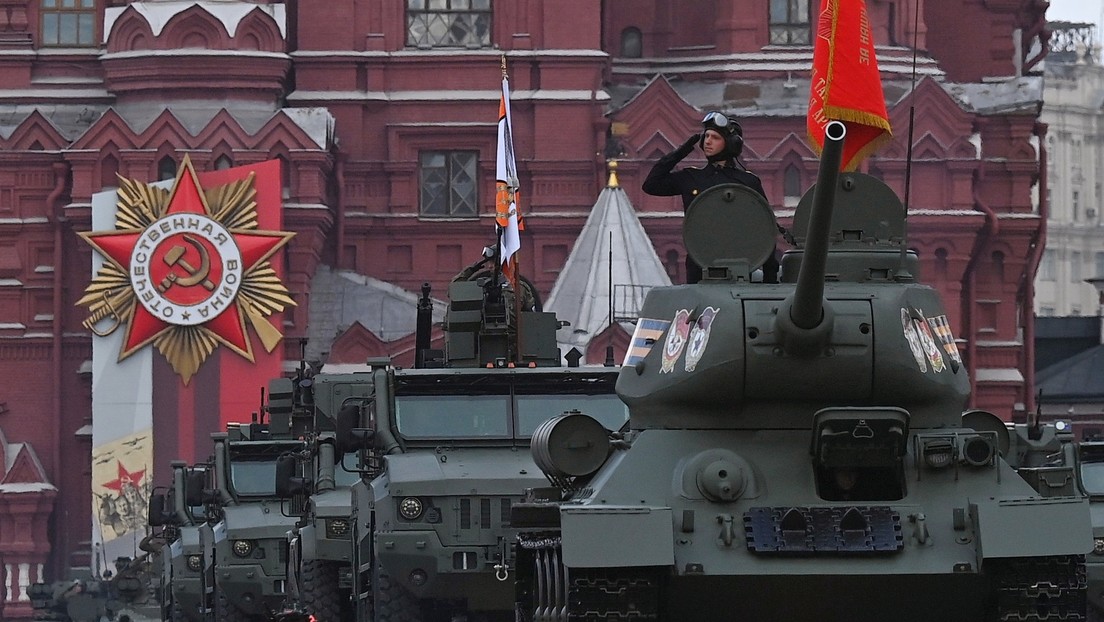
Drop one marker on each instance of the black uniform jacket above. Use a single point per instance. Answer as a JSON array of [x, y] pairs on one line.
[[689, 182]]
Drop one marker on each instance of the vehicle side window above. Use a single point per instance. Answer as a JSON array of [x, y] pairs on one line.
[[534, 410], [440, 416]]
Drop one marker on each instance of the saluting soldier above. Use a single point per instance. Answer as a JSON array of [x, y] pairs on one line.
[[722, 141]]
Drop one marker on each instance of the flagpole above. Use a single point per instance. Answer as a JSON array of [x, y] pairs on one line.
[[517, 284]]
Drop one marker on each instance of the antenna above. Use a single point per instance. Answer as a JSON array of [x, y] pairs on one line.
[[609, 281], [609, 346], [902, 271]]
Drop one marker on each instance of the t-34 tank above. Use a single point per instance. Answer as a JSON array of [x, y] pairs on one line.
[[797, 450]]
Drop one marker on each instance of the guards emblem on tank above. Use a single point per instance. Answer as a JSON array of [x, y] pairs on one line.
[[913, 339], [647, 333], [941, 326], [932, 350], [676, 340], [699, 337]]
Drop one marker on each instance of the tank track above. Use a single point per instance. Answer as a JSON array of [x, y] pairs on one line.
[[549, 592], [1039, 588]]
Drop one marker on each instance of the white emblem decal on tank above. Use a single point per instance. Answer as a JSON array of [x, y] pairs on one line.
[[699, 337], [913, 339], [676, 340]]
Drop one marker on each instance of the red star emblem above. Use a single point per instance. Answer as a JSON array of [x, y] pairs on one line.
[[126, 478], [180, 274]]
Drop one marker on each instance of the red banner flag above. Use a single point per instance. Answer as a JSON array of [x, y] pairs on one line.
[[845, 82]]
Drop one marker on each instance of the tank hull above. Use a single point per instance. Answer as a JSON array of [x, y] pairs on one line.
[[961, 542]]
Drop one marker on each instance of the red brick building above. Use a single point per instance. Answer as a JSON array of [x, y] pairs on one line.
[[384, 115]]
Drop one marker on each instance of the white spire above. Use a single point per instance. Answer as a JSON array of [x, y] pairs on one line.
[[581, 294]]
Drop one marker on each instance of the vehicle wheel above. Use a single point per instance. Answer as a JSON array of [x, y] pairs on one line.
[[227, 612], [393, 603], [318, 590]]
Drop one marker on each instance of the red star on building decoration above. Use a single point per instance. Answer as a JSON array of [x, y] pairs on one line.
[[185, 274], [126, 478]]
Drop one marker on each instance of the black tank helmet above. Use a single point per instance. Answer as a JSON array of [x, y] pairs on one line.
[[730, 129]]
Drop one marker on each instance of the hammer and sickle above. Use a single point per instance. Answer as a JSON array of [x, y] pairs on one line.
[[195, 276]]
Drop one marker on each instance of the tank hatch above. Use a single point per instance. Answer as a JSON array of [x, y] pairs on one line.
[[729, 230], [867, 230]]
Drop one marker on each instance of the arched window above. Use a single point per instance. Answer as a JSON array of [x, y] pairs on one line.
[[791, 183], [941, 263], [166, 168], [285, 177], [672, 264], [109, 170], [632, 43], [223, 162], [998, 265]]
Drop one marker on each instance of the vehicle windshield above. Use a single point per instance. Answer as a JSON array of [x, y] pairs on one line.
[[253, 477], [534, 410], [253, 466], [451, 416], [1092, 477], [344, 478]]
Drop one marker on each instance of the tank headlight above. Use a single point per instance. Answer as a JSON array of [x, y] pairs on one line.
[[978, 450], [337, 528], [411, 508], [418, 577], [195, 563], [242, 548], [1098, 546], [938, 453]]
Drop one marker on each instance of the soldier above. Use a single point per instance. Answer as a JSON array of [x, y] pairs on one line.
[[480, 273], [722, 141]]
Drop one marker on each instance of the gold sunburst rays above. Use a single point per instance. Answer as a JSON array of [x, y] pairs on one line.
[[186, 348], [139, 204], [234, 204], [263, 294], [109, 296]]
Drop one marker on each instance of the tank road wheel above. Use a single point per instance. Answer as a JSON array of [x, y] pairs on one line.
[[392, 602], [319, 592], [227, 612]]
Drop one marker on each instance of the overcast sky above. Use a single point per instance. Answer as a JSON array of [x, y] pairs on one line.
[[1076, 11]]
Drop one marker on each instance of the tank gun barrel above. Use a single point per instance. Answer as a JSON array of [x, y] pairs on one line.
[[808, 301]]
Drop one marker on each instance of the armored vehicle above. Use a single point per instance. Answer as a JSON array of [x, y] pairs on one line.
[[130, 591], [187, 576], [80, 599], [1091, 461], [250, 538], [432, 531], [797, 450], [442, 453], [319, 545]]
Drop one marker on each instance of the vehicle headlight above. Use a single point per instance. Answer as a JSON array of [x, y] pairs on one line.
[[242, 548], [411, 508], [1098, 546], [195, 563], [337, 528]]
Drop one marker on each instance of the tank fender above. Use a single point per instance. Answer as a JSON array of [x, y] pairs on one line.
[[617, 536], [1037, 521]]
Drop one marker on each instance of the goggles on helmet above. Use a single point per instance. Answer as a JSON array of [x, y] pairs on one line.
[[716, 119]]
